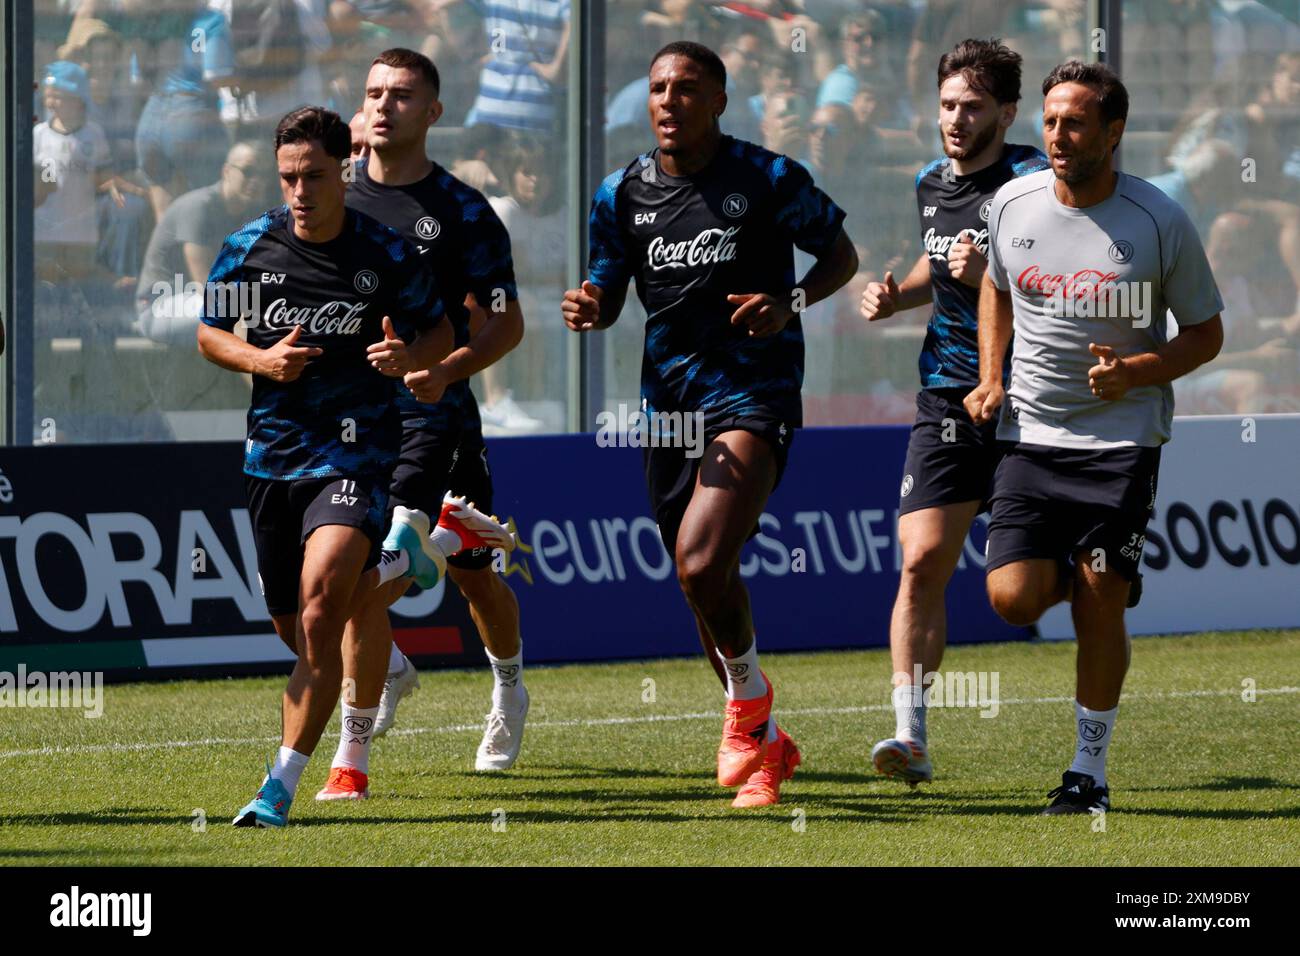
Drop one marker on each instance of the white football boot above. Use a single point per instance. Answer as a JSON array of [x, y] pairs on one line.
[[396, 686], [502, 738], [902, 758]]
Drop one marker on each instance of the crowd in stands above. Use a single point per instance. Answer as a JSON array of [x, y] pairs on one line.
[[155, 120]]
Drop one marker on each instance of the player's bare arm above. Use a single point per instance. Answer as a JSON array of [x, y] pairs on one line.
[[498, 333], [282, 362], [591, 308], [1193, 346], [994, 336], [880, 300], [764, 314]]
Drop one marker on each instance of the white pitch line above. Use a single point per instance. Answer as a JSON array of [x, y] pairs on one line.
[[599, 722]]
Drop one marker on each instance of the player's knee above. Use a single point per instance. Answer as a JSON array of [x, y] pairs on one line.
[[318, 651], [925, 567], [702, 580], [322, 614], [1017, 606], [480, 586]]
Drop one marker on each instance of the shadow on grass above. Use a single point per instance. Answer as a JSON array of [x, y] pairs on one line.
[[122, 816], [720, 813], [1280, 813], [1240, 783]]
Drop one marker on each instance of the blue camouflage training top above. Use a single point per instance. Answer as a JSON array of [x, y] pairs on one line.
[[947, 205], [461, 240], [340, 416], [690, 241]]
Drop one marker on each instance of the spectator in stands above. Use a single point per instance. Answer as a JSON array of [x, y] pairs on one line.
[[186, 241], [123, 226], [1275, 116], [454, 39], [280, 47], [180, 141], [533, 214], [742, 56], [1253, 244], [71, 163], [528, 42], [859, 36], [784, 112]]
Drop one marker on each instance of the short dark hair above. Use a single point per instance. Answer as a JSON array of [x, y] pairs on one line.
[[696, 53], [315, 124], [401, 58], [988, 66], [1111, 93]]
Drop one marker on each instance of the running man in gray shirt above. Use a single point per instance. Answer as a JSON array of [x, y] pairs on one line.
[[1084, 262]]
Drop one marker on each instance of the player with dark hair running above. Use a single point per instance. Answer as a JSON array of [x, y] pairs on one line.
[[460, 240], [950, 461], [1085, 263], [351, 306], [707, 225]]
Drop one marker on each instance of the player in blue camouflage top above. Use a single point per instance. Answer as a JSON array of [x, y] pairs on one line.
[[341, 308], [950, 462], [707, 224], [464, 245]]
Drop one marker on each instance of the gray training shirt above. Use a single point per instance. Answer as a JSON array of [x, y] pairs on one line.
[[1104, 274]]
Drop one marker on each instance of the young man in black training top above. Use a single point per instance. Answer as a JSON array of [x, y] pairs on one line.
[[950, 461], [350, 304], [707, 224]]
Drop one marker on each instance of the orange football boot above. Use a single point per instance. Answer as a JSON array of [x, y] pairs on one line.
[[763, 789], [744, 736], [344, 783]]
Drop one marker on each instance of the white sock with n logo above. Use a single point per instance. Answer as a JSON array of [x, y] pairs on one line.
[[1092, 740]]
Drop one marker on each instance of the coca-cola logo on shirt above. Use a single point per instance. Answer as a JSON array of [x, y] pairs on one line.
[[1079, 285], [937, 246], [710, 246], [332, 318]]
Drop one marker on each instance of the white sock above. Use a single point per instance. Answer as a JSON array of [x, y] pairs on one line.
[[446, 541], [355, 734], [288, 767], [909, 712], [1092, 740], [772, 727], [392, 565], [744, 680], [396, 660], [508, 680]]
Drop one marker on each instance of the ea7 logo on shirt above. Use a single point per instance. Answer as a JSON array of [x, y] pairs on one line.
[[929, 210], [273, 278], [735, 205], [366, 281], [1018, 243], [642, 218], [428, 228]]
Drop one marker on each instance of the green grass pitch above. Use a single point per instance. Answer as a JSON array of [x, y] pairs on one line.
[[618, 770]]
